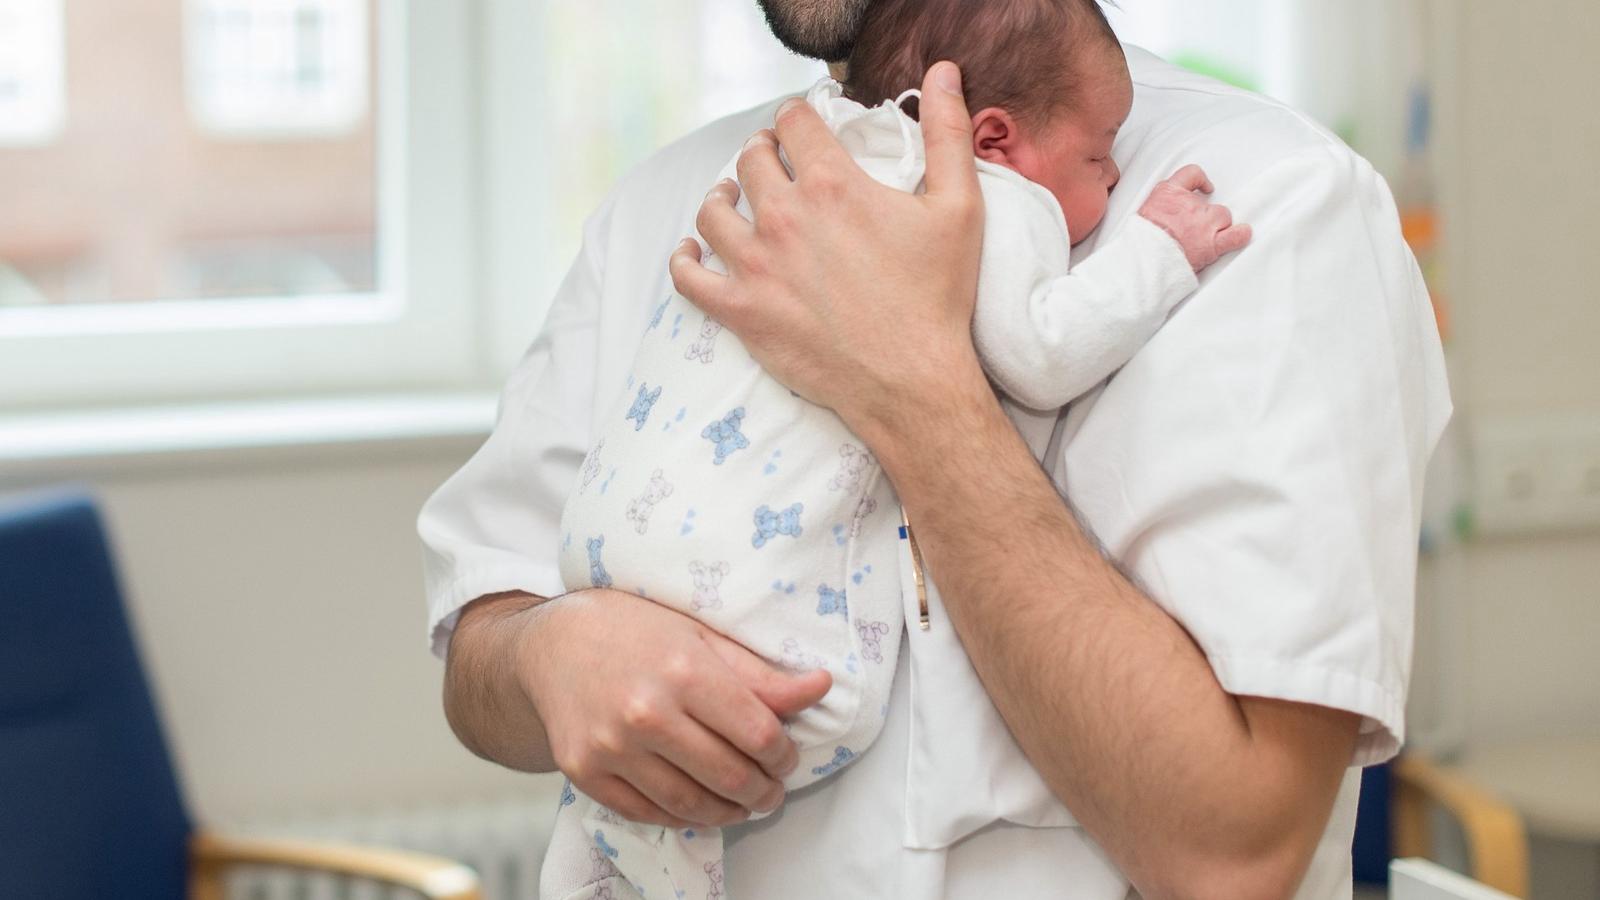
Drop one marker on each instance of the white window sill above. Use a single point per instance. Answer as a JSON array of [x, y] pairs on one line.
[[85, 443]]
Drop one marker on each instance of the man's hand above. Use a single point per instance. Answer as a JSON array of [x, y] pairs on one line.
[[1205, 230], [646, 710], [854, 294]]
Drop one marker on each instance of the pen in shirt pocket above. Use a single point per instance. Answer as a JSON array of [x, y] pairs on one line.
[[915, 555]]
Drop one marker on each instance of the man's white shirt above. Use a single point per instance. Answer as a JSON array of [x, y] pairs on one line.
[[1257, 467]]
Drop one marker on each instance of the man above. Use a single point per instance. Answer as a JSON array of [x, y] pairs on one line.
[[1256, 468]]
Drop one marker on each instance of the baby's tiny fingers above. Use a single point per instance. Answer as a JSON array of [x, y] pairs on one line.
[[1191, 178], [1235, 237]]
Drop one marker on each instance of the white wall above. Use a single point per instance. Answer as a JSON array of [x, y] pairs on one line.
[[1521, 130], [278, 599]]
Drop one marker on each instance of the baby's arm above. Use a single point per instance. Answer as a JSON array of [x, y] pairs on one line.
[[1076, 328]]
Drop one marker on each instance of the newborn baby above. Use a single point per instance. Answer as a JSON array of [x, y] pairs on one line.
[[716, 491], [1050, 88]]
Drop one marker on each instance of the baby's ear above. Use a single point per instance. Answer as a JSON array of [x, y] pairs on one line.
[[995, 136]]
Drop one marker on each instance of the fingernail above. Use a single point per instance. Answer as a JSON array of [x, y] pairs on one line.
[[788, 104], [948, 77]]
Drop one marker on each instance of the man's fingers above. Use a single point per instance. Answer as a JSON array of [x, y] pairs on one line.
[[723, 770], [760, 170], [738, 709], [623, 797], [680, 796], [1191, 178], [704, 288], [719, 223], [744, 721], [787, 695], [784, 693], [1236, 237], [809, 144], [947, 133]]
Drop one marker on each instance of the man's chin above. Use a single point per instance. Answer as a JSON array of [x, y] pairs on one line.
[[819, 29]]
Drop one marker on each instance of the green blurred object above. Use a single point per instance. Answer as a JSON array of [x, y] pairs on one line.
[[1201, 64]]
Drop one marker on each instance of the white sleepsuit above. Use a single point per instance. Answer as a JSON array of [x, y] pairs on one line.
[[716, 491]]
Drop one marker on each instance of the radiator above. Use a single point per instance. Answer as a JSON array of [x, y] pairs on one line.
[[502, 841]]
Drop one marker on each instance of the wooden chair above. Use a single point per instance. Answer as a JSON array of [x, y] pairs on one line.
[[91, 806], [1497, 844], [211, 856]]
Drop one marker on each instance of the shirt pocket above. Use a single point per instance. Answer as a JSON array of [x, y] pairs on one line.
[[963, 769]]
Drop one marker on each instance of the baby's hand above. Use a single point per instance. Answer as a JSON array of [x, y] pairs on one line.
[[1204, 229]]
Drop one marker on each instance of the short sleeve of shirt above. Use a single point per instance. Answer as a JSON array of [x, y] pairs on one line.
[[493, 526], [1258, 467]]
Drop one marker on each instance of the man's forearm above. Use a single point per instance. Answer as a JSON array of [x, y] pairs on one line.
[[484, 699], [1107, 695]]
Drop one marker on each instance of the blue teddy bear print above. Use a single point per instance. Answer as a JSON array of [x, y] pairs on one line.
[[598, 576], [830, 601], [725, 434], [770, 524], [841, 758], [642, 404]]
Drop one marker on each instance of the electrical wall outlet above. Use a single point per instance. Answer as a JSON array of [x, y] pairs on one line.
[[1536, 473]]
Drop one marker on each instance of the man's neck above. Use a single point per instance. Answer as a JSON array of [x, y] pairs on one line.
[[837, 71]]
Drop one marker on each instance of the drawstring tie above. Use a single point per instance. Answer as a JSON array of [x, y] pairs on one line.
[[908, 159]]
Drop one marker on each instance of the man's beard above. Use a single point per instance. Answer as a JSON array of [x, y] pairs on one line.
[[820, 29]]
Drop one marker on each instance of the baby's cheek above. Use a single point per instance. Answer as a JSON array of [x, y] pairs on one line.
[[1084, 209]]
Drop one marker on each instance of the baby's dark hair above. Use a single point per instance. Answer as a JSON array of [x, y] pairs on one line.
[[1020, 55]]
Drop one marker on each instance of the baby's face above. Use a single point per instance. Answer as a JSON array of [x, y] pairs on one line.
[[1071, 155]]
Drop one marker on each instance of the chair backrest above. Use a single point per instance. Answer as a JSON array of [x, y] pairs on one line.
[[1370, 850], [89, 805], [1419, 879]]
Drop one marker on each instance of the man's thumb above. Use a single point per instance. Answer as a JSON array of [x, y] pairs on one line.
[[947, 132]]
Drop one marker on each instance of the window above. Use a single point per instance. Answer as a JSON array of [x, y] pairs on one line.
[[257, 198], [236, 219], [32, 98], [1355, 65], [577, 92], [290, 67]]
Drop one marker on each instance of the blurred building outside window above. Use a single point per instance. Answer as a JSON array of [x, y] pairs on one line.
[[262, 68], [242, 166], [32, 96]]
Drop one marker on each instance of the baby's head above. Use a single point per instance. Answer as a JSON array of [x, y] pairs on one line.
[[1046, 82]]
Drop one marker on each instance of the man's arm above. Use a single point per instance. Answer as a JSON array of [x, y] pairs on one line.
[[1193, 792], [484, 700], [646, 710]]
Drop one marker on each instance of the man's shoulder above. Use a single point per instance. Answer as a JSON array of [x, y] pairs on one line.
[[1183, 112], [687, 165]]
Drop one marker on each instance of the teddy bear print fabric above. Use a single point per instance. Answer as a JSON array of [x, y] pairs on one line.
[[712, 489]]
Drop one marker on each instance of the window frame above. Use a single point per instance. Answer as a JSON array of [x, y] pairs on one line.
[[411, 334]]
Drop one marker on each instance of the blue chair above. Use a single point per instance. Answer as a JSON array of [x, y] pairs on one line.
[[90, 807]]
